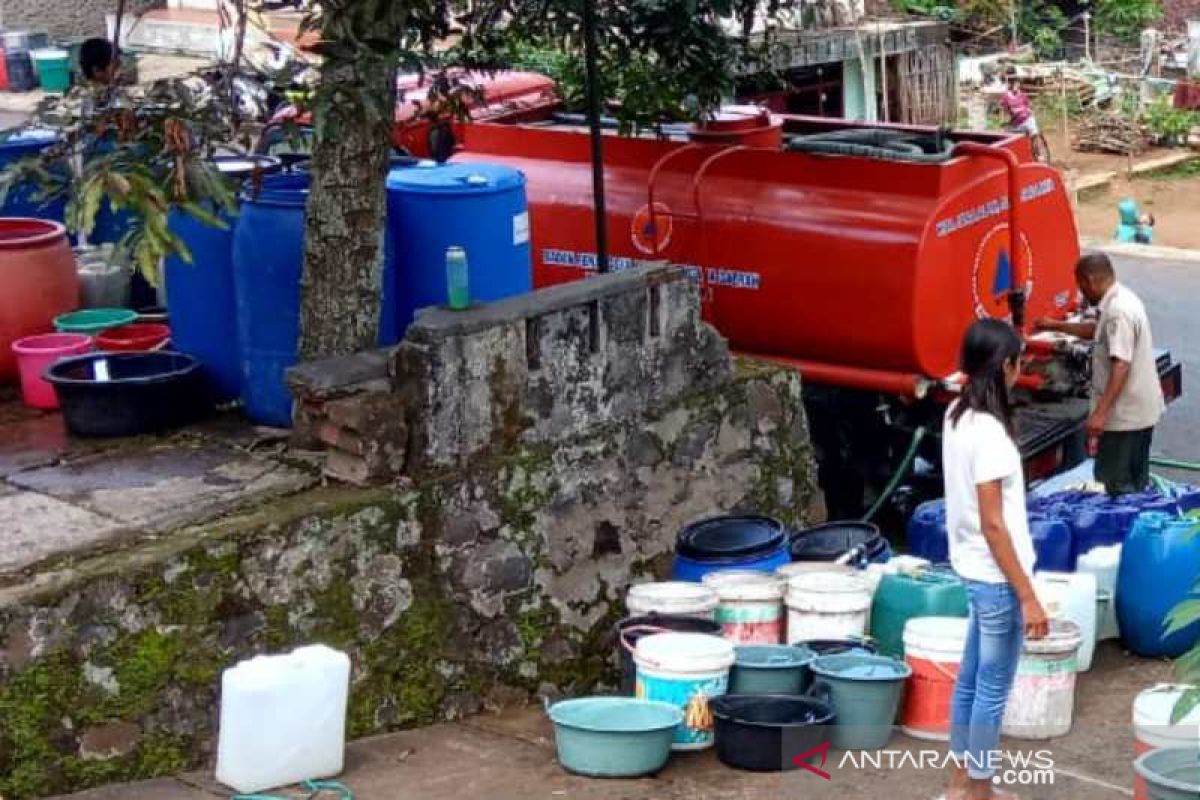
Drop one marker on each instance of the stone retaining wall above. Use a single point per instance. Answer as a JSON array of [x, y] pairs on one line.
[[530, 480]]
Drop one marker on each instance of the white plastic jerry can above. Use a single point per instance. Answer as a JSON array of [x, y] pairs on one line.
[[283, 719]]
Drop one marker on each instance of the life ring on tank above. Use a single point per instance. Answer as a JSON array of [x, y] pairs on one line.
[[652, 236]]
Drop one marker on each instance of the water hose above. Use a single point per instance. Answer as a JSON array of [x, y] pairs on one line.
[[901, 471], [1174, 463]]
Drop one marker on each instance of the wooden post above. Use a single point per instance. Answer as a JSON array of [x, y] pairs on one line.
[[883, 73], [1066, 125]]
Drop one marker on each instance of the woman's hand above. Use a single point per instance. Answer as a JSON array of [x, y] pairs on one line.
[[1037, 625]]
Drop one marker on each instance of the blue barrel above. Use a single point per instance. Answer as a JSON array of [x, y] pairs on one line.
[[927, 536], [268, 256], [730, 542], [1157, 572], [478, 207], [20, 201], [200, 295], [1054, 544]]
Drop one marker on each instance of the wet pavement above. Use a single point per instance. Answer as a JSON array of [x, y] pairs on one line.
[[63, 497]]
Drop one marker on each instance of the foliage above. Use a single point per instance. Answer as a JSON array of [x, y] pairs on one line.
[[1125, 19], [1171, 125], [1187, 668], [658, 60], [137, 150], [941, 9]]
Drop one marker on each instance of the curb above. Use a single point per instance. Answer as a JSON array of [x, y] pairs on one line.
[[1140, 250]]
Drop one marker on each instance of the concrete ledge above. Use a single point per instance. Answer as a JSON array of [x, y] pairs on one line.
[[1140, 250]]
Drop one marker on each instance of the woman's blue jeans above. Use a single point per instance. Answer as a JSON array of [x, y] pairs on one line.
[[995, 633]]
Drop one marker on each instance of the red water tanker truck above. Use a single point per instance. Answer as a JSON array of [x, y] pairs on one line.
[[857, 254]]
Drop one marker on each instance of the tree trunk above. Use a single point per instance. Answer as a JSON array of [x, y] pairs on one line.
[[343, 248]]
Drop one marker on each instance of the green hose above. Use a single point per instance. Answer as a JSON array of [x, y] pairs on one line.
[[1172, 463], [901, 471]]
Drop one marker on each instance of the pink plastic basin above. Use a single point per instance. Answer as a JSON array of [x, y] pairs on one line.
[[36, 353]]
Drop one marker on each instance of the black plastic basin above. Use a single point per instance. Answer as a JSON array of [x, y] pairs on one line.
[[125, 394], [766, 732]]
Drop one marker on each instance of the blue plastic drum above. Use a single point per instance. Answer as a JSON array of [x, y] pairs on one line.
[[268, 256], [478, 207]]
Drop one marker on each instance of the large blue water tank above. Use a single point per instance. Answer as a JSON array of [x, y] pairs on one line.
[[20, 201], [268, 255], [1157, 572], [479, 207], [200, 295]]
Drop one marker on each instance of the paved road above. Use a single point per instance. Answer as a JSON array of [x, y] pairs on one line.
[[1171, 292]]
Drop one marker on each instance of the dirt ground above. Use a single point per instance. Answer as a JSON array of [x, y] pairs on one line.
[[1172, 201]]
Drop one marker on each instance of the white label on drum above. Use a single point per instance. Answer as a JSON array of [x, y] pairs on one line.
[[100, 370], [520, 228]]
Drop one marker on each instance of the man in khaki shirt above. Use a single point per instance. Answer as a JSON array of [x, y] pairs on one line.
[[1127, 398]]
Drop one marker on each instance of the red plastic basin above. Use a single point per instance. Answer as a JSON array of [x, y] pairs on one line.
[[137, 337]]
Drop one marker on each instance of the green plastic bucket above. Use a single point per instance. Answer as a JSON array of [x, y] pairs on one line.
[[93, 320], [864, 692], [614, 737], [53, 69], [770, 669], [1171, 774]]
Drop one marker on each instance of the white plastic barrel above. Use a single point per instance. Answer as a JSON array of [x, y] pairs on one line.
[[283, 719], [827, 605], [750, 605], [1103, 562], [1071, 596], [1041, 704], [685, 669], [1152, 728], [933, 649], [672, 597]]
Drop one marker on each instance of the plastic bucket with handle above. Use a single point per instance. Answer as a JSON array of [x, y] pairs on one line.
[[36, 353], [1152, 728], [933, 649], [686, 670]]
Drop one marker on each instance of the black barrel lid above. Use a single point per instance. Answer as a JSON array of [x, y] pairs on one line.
[[732, 536], [832, 540]]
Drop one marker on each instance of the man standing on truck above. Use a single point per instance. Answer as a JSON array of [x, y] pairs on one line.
[[1127, 398]]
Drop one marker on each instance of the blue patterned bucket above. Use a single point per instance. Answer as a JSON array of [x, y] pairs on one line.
[[685, 670]]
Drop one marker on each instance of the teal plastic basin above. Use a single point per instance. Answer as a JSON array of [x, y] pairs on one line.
[[864, 692], [770, 669], [1172, 773], [614, 737], [93, 320]]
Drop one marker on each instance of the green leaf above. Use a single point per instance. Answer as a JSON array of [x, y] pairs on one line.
[[1185, 705], [1182, 616], [1187, 666]]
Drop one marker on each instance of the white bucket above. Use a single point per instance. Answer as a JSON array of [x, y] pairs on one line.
[[933, 649], [789, 571], [827, 605], [1071, 597], [685, 669], [1152, 728], [1103, 562], [750, 607], [672, 597], [1041, 704]]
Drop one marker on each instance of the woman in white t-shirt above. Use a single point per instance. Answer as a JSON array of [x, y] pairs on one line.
[[990, 549]]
